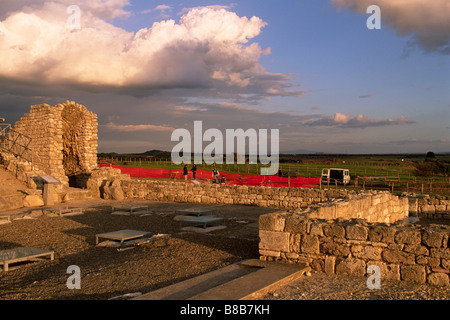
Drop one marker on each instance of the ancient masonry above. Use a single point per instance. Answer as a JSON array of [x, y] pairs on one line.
[[64, 141], [349, 246]]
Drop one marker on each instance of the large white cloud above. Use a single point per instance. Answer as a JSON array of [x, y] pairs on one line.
[[207, 48], [427, 20]]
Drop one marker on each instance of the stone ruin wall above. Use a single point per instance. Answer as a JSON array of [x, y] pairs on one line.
[[64, 140], [173, 191], [402, 251], [422, 206]]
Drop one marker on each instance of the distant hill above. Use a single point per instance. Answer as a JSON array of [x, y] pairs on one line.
[[156, 153]]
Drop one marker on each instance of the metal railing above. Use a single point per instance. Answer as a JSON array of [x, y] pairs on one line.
[[15, 142]]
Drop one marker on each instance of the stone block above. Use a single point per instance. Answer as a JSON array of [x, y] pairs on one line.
[[445, 264], [334, 230], [428, 209], [33, 201], [50, 194], [351, 267], [441, 208], [335, 249], [428, 261], [296, 224], [397, 257], [317, 265], [366, 252], [416, 249], [382, 234], [388, 271], [440, 253], [275, 241], [357, 232], [316, 228], [438, 279], [294, 242], [433, 238], [325, 212], [269, 253], [408, 236], [376, 199], [330, 264], [309, 244], [272, 222], [413, 273]]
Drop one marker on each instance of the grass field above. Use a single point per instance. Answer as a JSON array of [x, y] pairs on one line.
[[397, 173]]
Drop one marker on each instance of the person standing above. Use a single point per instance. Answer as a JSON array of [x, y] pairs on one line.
[[185, 172], [194, 170], [216, 175]]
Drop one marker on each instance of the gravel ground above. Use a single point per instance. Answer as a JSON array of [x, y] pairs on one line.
[[321, 286], [170, 257]]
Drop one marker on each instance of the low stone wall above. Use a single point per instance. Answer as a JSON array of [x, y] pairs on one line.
[[221, 194], [373, 206], [431, 207], [348, 247]]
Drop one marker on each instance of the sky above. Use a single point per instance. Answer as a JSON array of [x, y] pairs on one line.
[[312, 69]]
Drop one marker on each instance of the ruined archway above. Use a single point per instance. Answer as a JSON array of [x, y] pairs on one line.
[[73, 120], [64, 141]]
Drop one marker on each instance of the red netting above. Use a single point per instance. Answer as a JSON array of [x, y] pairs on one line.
[[231, 178]]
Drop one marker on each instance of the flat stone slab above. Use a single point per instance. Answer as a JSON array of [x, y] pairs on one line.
[[129, 210], [50, 179], [65, 211], [122, 235], [5, 219], [245, 280], [194, 212], [203, 221], [16, 255], [200, 229]]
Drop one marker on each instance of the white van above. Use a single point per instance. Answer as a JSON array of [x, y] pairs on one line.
[[333, 175]]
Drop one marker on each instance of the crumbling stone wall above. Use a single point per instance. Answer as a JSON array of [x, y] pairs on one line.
[[349, 246], [431, 207], [64, 139]]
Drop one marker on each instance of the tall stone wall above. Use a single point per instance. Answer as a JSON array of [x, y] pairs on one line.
[[64, 139]]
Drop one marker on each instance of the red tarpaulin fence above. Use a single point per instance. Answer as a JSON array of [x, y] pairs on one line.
[[231, 178]]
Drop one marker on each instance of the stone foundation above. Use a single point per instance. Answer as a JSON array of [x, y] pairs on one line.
[[430, 207], [349, 246]]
